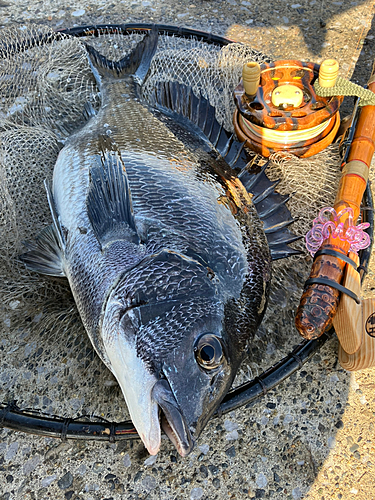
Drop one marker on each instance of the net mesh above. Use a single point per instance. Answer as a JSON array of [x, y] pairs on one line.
[[47, 361]]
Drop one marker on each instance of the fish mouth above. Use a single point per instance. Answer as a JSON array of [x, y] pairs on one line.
[[149, 396], [172, 420], [150, 400]]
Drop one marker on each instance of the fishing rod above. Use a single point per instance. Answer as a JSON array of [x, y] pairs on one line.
[[335, 270]]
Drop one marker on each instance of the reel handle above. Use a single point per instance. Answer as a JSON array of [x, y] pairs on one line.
[[319, 303], [251, 78]]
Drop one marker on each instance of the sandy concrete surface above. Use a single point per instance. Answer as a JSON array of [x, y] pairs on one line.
[[311, 438]]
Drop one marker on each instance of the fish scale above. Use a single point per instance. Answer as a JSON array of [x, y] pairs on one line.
[[154, 178]]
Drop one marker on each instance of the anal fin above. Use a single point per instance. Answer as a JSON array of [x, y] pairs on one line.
[[89, 111], [56, 221]]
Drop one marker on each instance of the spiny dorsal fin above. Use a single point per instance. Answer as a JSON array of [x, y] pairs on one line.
[[272, 209], [109, 204], [45, 254], [136, 63], [178, 101]]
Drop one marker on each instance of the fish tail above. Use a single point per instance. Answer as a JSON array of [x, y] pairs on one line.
[[137, 63]]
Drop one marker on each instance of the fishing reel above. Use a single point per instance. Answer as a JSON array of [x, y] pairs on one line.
[[278, 109]]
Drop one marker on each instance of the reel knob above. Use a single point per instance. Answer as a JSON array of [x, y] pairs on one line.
[[328, 73], [251, 78]]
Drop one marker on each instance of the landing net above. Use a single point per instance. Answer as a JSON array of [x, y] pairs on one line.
[[47, 363]]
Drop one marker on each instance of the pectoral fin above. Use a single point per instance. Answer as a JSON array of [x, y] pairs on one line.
[[109, 204]]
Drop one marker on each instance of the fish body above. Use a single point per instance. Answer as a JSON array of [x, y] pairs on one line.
[[164, 252]]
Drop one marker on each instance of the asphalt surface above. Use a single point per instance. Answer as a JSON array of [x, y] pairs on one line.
[[310, 438]]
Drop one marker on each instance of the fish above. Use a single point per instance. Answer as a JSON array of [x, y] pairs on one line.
[[156, 228]]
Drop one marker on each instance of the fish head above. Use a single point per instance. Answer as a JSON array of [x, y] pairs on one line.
[[172, 362], [195, 376], [174, 341]]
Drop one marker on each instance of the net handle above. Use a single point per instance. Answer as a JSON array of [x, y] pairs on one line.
[[96, 30]]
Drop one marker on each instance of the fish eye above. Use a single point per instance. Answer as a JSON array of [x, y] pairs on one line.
[[208, 351]]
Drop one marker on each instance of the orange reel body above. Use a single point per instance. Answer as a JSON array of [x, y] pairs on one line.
[[273, 119]]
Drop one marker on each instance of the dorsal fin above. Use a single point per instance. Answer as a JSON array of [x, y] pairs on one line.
[[178, 101], [109, 204], [136, 63], [272, 209]]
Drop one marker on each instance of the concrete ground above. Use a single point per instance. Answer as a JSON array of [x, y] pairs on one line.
[[312, 437]]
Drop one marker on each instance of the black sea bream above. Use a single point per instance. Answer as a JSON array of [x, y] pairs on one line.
[[164, 251]]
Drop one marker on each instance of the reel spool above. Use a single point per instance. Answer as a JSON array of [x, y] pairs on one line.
[[279, 110]]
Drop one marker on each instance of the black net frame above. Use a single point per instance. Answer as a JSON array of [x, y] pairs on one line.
[[96, 428]]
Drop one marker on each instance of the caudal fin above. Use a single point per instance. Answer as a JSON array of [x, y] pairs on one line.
[[136, 63]]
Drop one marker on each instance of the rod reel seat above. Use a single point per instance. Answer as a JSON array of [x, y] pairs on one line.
[[279, 110]]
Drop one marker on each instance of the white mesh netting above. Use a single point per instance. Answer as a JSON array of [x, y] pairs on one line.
[[47, 362]]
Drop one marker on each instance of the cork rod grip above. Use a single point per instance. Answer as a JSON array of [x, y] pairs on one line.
[[319, 302]]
